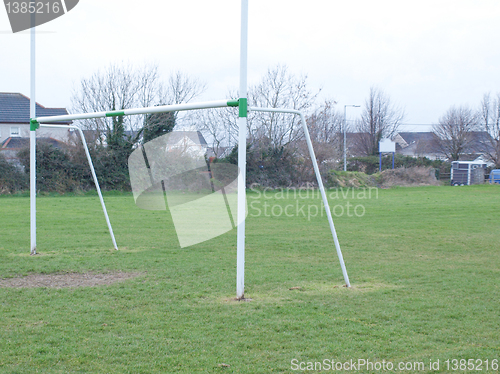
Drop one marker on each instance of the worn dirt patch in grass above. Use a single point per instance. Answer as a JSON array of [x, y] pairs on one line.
[[67, 280]]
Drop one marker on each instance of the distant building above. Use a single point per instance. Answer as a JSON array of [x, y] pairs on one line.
[[15, 124], [191, 142], [418, 144], [219, 152], [424, 144]]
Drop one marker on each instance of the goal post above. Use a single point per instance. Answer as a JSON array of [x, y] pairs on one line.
[[42, 122], [32, 146], [48, 121], [242, 154], [243, 109]]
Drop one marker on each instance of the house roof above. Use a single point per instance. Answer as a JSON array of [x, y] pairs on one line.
[[481, 136], [15, 108], [413, 137], [221, 152], [15, 143], [426, 143], [195, 136]]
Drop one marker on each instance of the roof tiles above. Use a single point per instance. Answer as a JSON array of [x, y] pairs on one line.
[[15, 108]]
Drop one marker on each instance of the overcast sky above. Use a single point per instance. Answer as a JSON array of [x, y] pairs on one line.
[[426, 55]]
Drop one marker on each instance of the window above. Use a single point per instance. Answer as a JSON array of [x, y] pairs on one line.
[[15, 131]]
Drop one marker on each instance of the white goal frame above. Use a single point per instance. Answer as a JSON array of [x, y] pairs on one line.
[[241, 103]]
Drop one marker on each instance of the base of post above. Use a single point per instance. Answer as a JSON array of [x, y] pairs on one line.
[[242, 299]]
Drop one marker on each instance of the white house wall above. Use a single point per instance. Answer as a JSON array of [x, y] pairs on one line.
[[59, 134]]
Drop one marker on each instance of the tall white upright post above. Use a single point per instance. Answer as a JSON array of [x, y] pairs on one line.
[[242, 157], [32, 146]]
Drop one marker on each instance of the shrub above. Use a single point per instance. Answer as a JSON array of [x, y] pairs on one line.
[[270, 167], [67, 169], [53, 168], [12, 179]]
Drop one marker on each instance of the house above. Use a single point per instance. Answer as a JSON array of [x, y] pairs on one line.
[[15, 118], [219, 152], [418, 144], [191, 142], [424, 144]]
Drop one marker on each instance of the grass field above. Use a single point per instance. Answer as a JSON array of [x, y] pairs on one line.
[[424, 264]]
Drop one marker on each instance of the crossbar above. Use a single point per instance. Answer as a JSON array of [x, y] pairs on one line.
[[145, 110]]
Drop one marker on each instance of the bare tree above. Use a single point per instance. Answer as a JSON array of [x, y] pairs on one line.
[[179, 89], [490, 122], [325, 129], [117, 87], [123, 86], [453, 133], [278, 89], [379, 119], [211, 122], [182, 89]]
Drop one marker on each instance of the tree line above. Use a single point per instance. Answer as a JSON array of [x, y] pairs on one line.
[[277, 153], [462, 127]]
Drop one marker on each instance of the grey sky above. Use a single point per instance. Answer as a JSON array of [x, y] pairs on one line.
[[427, 55]]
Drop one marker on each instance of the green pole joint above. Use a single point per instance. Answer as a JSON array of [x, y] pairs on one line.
[[233, 103], [115, 113], [34, 124], [243, 107]]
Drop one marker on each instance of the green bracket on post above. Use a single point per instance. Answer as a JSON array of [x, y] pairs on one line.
[[34, 124], [243, 107], [242, 103]]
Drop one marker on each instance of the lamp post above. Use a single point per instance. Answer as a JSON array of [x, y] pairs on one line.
[[345, 123]]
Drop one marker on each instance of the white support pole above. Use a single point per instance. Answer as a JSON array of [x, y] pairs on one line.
[[320, 182], [32, 146], [242, 148], [94, 176]]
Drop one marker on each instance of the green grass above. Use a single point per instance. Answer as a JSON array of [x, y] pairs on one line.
[[424, 264]]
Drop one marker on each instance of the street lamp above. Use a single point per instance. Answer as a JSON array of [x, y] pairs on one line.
[[345, 125]]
